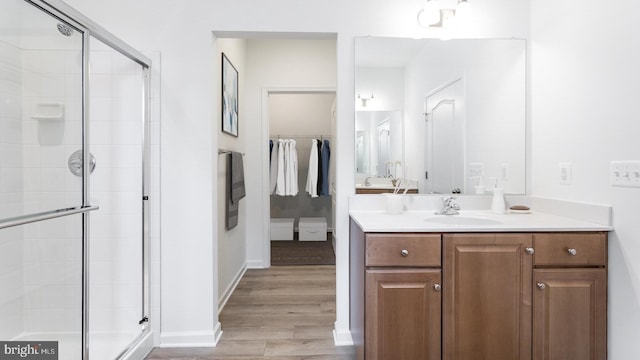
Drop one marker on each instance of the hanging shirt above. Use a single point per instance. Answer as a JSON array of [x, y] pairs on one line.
[[326, 156], [292, 168], [273, 169], [280, 178], [312, 174]]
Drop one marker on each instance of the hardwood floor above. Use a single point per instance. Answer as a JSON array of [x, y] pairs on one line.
[[283, 313]]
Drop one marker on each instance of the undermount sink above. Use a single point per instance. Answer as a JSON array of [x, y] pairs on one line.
[[461, 220]]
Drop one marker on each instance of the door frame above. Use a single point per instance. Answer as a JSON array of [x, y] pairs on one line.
[[266, 183]]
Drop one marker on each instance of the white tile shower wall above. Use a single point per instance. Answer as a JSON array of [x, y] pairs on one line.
[[52, 249], [11, 252], [53, 275], [51, 77], [116, 186]]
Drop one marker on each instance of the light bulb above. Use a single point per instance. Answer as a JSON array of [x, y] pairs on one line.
[[430, 15]]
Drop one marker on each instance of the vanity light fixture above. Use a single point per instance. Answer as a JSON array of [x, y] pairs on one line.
[[433, 15], [365, 99], [430, 15]]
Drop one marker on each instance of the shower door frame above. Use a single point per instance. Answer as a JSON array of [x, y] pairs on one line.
[[88, 28]]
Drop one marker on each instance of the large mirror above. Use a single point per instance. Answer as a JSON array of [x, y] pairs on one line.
[[459, 106]]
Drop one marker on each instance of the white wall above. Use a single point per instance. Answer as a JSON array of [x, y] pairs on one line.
[[232, 244], [585, 91], [386, 85], [182, 33]]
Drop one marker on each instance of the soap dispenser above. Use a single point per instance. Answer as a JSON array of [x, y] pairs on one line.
[[497, 204]]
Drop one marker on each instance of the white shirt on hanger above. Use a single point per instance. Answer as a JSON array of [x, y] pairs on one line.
[[312, 174]]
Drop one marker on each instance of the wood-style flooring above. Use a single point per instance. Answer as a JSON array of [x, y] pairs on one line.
[[281, 313]]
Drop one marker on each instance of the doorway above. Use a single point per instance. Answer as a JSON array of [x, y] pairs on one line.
[[300, 218]]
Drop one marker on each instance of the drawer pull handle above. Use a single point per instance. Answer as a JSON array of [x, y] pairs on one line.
[[541, 286], [404, 252], [529, 251], [437, 287], [572, 252]]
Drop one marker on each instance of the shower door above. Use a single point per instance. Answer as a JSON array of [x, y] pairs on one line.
[[43, 207], [73, 139], [117, 311]]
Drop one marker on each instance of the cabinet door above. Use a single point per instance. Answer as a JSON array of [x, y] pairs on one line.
[[403, 310], [570, 314], [487, 297]]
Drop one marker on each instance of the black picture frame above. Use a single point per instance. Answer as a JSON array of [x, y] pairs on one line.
[[229, 91]]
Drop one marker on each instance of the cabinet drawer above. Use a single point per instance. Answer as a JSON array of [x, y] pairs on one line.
[[403, 250], [570, 249]]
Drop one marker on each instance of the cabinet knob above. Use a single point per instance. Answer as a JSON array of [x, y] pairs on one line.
[[437, 287], [529, 250], [404, 252], [541, 286], [572, 252]]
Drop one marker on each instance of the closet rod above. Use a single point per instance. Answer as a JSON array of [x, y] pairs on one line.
[[225, 151], [302, 136]]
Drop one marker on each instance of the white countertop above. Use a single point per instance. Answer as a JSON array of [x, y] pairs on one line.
[[414, 221]]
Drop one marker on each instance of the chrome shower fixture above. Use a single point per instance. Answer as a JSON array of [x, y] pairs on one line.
[[76, 162], [65, 29]]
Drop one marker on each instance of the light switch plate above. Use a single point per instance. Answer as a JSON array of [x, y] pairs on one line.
[[625, 173], [476, 170], [504, 171], [565, 173]]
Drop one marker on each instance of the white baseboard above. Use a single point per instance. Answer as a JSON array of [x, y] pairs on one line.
[[256, 264], [191, 338], [141, 349], [342, 337], [222, 300]]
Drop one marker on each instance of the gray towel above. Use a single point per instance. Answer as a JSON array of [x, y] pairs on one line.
[[235, 188], [236, 174]]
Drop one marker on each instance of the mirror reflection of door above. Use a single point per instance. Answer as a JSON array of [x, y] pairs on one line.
[[362, 152], [445, 156], [384, 150]]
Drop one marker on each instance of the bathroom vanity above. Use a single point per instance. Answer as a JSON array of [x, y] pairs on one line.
[[479, 286]]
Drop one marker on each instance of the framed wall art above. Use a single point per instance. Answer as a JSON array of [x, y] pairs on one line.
[[229, 97]]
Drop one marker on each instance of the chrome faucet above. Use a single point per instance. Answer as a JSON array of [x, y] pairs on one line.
[[448, 206]]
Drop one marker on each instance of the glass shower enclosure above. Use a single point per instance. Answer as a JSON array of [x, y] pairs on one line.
[[74, 183]]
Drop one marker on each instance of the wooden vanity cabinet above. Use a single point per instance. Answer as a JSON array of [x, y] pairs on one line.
[[396, 297], [570, 296], [487, 292], [403, 314], [479, 296]]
